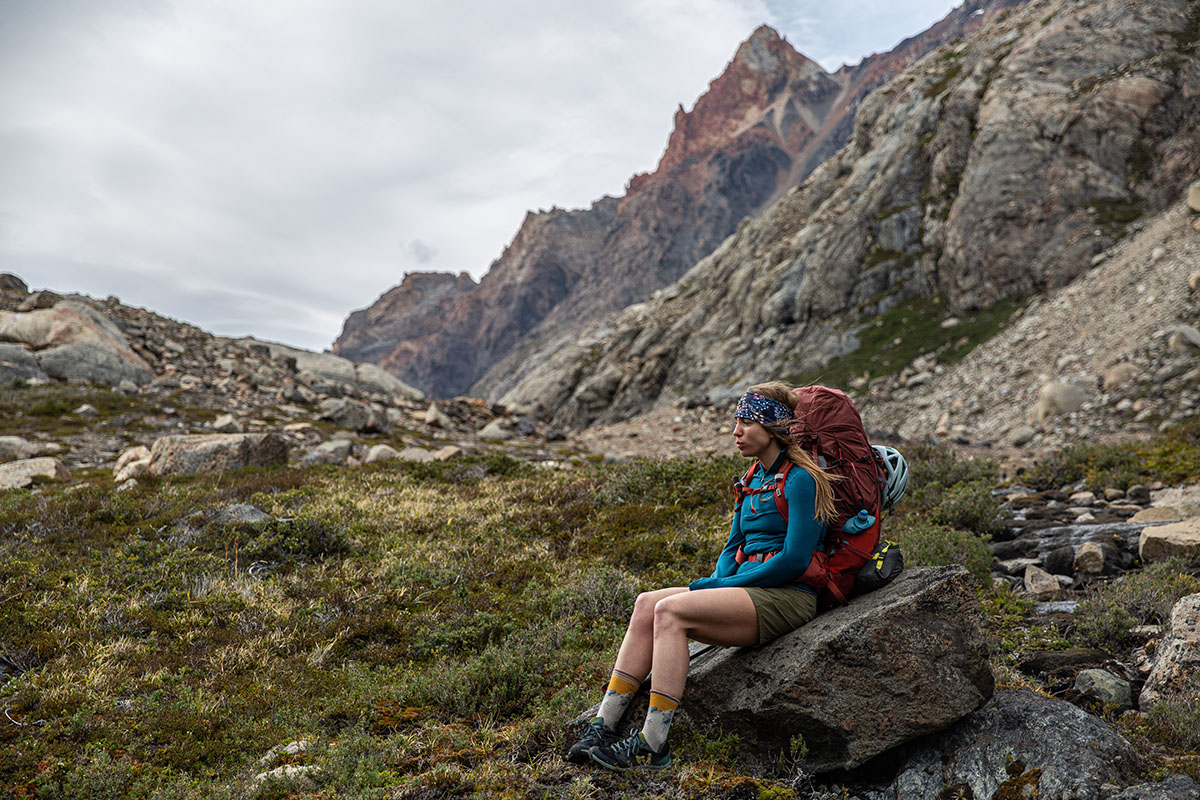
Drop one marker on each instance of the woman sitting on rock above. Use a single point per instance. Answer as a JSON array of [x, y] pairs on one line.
[[750, 598]]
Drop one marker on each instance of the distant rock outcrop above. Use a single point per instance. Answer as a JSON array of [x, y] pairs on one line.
[[70, 340], [907, 660], [998, 166], [761, 127]]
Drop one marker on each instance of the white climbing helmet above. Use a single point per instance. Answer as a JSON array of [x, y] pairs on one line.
[[897, 474]]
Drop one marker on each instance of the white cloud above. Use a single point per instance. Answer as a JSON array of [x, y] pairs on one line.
[[267, 167]]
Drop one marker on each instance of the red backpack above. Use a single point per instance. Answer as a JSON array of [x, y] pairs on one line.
[[829, 428]]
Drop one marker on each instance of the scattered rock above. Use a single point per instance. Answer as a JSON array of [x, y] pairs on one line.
[[1105, 687], [1183, 340], [1118, 376], [133, 469], [1059, 561], [240, 514], [1019, 745], [436, 417], [15, 447], [127, 485], [1175, 539], [1193, 196], [380, 452], [21, 474], [1057, 397], [1040, 584], [1089, 559], [1194, 281], [1021, 435], [415, 454], [352, 415], [446, 453], [138, 453], [227, 423], [334, 451], [903, 661], [498, 430], [1177, 658], [1082, 499], [191, 453], [1137, 493], [1157, 514]]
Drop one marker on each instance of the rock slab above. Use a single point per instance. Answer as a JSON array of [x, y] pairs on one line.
[[21, 474], [907, 660], [1177, 659], [1164, 541], [192, 453], [1020, 744]]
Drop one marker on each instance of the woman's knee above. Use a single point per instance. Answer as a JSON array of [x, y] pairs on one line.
[[643, 608], [670, 612]]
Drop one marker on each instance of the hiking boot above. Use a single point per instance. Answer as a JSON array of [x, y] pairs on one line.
[[595, 734], [631, 753]]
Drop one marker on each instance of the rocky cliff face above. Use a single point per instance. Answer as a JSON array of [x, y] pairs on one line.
[[997, 166], [761, 127]]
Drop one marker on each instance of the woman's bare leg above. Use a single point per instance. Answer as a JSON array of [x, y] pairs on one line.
[[637, 648], [714, 616]]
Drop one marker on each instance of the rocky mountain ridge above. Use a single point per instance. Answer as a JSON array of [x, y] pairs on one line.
[[1006, 164], [760, 128]]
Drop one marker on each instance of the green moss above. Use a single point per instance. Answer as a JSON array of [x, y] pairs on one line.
[[889, 342], [1114, 214], [939, 86]]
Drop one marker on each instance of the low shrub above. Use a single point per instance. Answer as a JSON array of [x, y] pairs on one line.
[[926, 543], [1172, 457], [1109, 613]]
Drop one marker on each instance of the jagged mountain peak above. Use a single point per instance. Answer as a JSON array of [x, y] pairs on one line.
[[768, 120]]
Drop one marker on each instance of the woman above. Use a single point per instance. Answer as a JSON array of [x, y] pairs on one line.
[[752, 597]]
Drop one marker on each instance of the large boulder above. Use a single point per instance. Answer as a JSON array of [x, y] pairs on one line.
[[16, 447], [906, 660], [191, 453], [21, 474], [18, 363], [1177, 657], [1058, 397], [73, 340], [1176, 787], [1020, 744], [353, 415], [372, 378], [1164, 541]]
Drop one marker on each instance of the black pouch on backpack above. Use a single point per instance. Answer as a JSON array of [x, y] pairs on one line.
[[885, 564]]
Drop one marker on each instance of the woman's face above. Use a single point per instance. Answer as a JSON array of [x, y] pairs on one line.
[[751, 438]]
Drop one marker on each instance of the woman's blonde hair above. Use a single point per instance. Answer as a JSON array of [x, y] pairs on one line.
[[781, 432]]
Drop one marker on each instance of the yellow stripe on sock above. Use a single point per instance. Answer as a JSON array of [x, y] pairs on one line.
[[622, 684], [663, 702]]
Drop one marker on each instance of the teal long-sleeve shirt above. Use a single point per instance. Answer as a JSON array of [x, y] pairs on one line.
[[758, 527]]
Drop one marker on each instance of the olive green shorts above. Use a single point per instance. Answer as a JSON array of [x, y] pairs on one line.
[[781, 609]]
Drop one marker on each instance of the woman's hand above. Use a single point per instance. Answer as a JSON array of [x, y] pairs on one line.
[[704, 583]]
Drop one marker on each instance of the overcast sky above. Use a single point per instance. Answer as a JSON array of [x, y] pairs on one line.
[[264, 167]]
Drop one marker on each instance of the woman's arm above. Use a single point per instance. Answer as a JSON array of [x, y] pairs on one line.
[[803, 535]]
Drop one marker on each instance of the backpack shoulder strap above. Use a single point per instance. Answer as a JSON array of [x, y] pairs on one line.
[[739, 486], [781, 503]]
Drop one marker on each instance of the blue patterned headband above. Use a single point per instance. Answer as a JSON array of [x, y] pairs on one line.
[[762, 410]]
